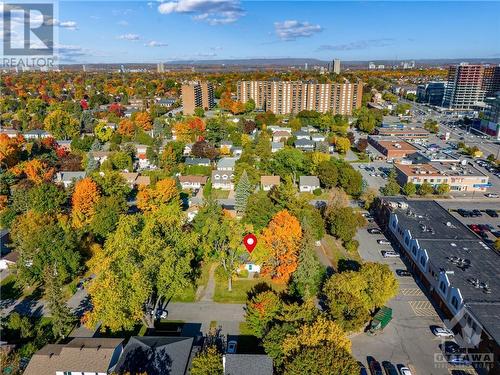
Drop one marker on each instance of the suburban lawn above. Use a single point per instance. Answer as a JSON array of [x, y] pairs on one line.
[[189, 294], [241, 287], [220, 194], [336, 252]]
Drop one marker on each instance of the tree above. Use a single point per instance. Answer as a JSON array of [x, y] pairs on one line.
[[328, 174], [106, 216], [362, 144], [126, 127], [152, 198], [62, 125], [121, 161], [203, 149], [62, 318], [343, 222], [37, 171], [327, 359], [342, 145], [366, 121], [207, 362], [409, 189], [260, 210], [425, 188], [243, 191], [103, 132], [368, 197], [143, 120], [46, 198], [199, 112], [350, 180], [288, 162], [443, 189], [307, 278], [261, 309], [10, 150], [84, 199], [381, 284], [392, 186], [281, 239], [431, 125], [249, 105]]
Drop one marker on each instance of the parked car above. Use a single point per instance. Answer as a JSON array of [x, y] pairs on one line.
[[383, 242], [161, 314], [442, 332], [476, 213], [374, 231], [491, 213], [403, 273], [375, 367], [390, 254], [464, 213], [492, 195], [362, 369], [459, 360], [231, 347], [474, 227], [389, 368], [405, 371], [450, 347]]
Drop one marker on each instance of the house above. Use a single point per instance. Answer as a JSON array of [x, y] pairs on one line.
[[165, 102], [275, 128], [64, 144], [308, 183], [250, 267], [267, 182], [129, 112], [36, 134], [304, 144], [197, 161], [281, 135], [143, 181], [155, 355], [140, 149], [101, 156], [276, 146], [143, 161], [187, 149], [79, 356], [4, 240], [11, 133], [247, 364], [302, 135], [222, 180], [8, 260], [225, 147], [308, 129], [192, 181], [130, 178], [318, 137], [67, 178], [226, 164]]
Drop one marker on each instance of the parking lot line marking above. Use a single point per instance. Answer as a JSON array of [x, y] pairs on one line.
[[422, 308], [411, 292]]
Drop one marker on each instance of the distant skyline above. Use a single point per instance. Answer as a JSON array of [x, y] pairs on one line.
[[150, 32]]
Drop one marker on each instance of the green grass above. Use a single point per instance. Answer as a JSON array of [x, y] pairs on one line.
[[244, 329], [335, 251], [9, 289], [220, 194], [187, 295]]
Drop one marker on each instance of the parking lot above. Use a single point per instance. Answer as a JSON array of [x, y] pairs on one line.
[[374, 175], [407, 339]]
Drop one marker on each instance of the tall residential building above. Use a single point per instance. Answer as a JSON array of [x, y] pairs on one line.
[[197, 95], [284, 97], [160, 68], [335, 66], [469, 84]]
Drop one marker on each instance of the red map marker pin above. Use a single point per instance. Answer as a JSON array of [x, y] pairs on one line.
[[250, 241]]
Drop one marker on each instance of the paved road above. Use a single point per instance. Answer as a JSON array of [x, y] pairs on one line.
[[407, 339]]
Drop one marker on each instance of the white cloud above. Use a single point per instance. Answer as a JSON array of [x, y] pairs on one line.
[[131, 37], [122, 23], [155, 43], [293, 29], [70, 25], [214, 12]]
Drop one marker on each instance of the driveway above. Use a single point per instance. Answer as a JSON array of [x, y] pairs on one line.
[[407, 339]]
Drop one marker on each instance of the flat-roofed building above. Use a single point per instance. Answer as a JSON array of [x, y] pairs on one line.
[[285, 97], [403, 132], [197, 95], [392, 148], [459, 177]]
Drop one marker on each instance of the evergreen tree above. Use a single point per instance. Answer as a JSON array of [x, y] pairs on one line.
[[392, 186], [62, 318], [243, 191], [409, 189], [307, 277]]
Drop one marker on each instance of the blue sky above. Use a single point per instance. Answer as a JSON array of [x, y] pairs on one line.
[[127, 31]]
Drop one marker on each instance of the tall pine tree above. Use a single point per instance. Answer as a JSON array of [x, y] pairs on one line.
[[243, 191], [62, 317], [307, 277]]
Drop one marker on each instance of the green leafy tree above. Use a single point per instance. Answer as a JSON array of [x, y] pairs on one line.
[[46, 198], [328, 174], [443, 189], [243, 191], [249, 105], [381, 284], [61, 124], [207, 362], [107, 214], [121, 161], [431, 125], [343, 222], [289, 162], [391, 187], [103, 132], [409, 189], [425, 188], [260, 210], [261, 309], [62, 318], [342, 145], [350, 180]]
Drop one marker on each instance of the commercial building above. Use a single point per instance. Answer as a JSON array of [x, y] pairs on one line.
[[335, 66], [284, 97], [197, 95], [403, 132], [490, 124], [459, 271], [459, 177], [431, 93], [468, 85], [392, 148]]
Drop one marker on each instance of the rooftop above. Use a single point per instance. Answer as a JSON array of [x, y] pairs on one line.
[[270, 180], [308, 181], [438, 169], [247, 364]]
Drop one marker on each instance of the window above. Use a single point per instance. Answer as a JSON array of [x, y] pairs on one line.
[[454, 302], [407, 241], [394, 224], [442, 286], [414, 250]]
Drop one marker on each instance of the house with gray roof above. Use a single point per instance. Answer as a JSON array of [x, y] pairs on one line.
[[308, 183], [276, 146], [67, 178], [247, 364], [318, 137], [36, 134], [197, 161], [223, 180], [304, 144], [155, 355], [80, 355], [302, 135], [226, 164]]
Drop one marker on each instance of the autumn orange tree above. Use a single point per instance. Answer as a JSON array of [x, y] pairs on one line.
[[152, 198], [84, 199], [281, 240], [143, 120], [10, 149], [126, 127], [34, 170], [190, 130]]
